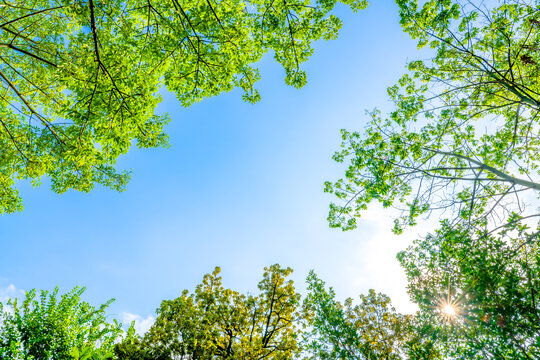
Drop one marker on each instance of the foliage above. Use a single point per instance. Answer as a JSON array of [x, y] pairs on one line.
[[463, 138], [493, 287], [56, 328], [219, 323], [370, 330], [462, 143], [131, 347], [81, 78]]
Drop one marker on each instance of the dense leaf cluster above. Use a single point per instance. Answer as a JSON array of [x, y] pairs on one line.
[[493, 286], [370, 330], [495, 316], [210, 324], [56, 328], [80, 79], [218, 323]]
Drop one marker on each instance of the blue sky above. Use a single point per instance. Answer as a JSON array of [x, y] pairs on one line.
[[241, 187]]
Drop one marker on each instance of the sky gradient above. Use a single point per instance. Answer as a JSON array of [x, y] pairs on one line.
[[241, 187]]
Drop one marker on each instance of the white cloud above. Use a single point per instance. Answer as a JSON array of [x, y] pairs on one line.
[[378, 267], [10, 292], [142, 325]]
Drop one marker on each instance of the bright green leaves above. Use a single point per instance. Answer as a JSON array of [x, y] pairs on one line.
[[211, 323], [89, 353], [214, 322], [81, 79], [370, 330], [219, 323], [435, 15], [55, 327], [462, 135], [376, 158], [492, 281]]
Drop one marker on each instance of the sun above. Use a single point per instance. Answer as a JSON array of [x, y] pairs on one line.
[[449, 310]]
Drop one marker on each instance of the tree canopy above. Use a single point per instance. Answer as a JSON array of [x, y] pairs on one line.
[[370, 330], [461, 144], [463, 138], [219, 323], [80, 79], [214, 322], [491, 289], [55, 327]]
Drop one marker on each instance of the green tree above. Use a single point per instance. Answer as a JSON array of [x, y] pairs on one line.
[[132, 347], [369, 330], [492, 289], [80, 79], [463, 138], [56, 328], [219, 323]]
